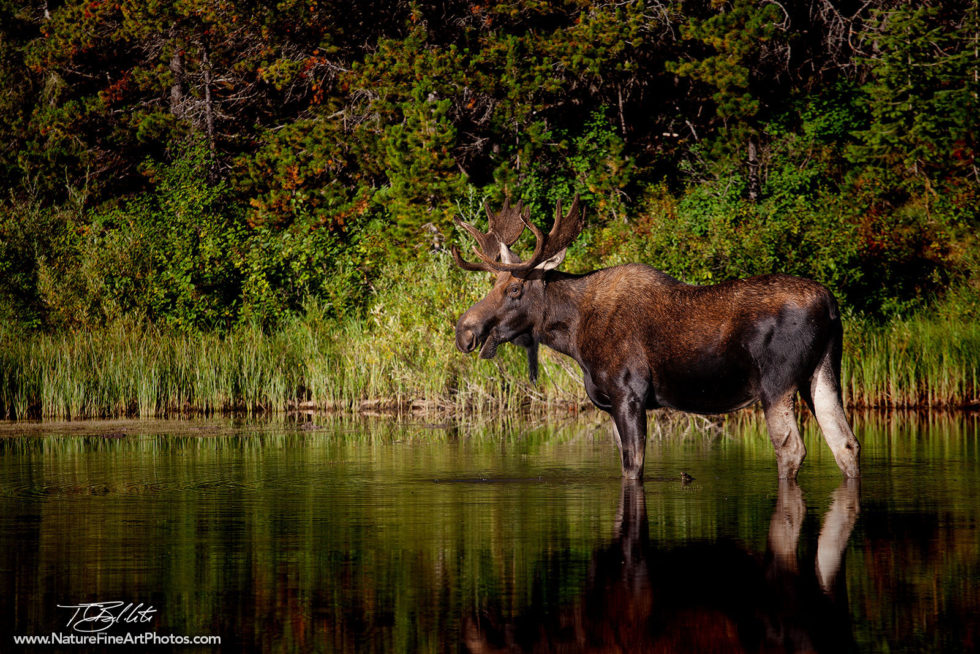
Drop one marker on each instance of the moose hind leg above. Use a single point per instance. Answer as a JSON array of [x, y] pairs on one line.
[[829, 411], [785, 434]]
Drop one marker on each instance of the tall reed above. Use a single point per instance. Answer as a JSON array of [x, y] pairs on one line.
[[919, 362], [398, 355]]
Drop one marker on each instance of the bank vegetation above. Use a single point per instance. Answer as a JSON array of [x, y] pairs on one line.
[[222, 205]]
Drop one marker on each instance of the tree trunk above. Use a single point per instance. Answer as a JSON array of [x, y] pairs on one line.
[[177, 89], [208, 100], [753, 162]]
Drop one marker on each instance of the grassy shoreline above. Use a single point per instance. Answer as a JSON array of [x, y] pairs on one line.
[[369, 365], [916, 363]]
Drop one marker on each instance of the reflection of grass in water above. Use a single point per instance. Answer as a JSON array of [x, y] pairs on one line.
[[905, 435], [282, 430], [260, 505]]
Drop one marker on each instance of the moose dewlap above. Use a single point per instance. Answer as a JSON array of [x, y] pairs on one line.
[[646, 340]]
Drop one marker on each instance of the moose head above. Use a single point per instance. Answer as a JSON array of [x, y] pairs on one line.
[[509, 311]]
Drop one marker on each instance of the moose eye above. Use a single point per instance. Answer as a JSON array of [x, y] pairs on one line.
[[514, 290]]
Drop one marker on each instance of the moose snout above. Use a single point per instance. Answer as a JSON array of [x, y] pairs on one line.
[[466, 338]]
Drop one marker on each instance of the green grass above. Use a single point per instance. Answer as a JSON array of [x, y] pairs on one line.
[[915, 363], [399, 355]]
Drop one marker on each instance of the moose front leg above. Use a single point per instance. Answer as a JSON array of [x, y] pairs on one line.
[[630, 422]]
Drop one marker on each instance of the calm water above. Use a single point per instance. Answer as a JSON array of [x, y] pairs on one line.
[[375, 536]]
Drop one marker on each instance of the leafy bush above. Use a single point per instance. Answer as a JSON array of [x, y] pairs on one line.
[[876, 258]]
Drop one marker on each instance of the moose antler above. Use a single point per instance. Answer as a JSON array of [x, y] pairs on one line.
[[566, 228], [506, 227]]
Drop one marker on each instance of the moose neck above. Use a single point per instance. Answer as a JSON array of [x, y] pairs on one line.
[[561, 313]]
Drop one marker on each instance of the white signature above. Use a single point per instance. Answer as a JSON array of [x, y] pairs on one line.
[[94, 617]]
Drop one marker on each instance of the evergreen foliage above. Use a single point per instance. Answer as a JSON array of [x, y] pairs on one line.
[[213, 165]]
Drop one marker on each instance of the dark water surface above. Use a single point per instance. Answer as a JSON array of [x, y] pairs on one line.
[[387, 537]]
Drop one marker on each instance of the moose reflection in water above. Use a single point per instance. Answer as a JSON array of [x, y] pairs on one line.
[[700, 597], [646, 340]]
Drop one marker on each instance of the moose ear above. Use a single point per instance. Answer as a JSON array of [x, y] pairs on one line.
[[553, 262]]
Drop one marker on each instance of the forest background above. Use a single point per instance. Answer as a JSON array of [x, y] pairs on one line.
[[227, 204]]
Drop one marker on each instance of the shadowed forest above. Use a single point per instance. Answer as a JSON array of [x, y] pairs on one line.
[[229, 204]]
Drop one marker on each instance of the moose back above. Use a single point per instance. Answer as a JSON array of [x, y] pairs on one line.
[[645, 340]]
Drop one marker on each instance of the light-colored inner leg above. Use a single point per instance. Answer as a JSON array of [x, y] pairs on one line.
[[833, 423]]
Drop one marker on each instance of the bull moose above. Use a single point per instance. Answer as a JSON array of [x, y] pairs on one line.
[[645, 340]]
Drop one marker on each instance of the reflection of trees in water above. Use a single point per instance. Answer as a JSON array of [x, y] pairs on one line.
[[711, 596]]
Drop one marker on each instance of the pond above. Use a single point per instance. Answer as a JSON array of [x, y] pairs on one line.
[[489, 535]]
